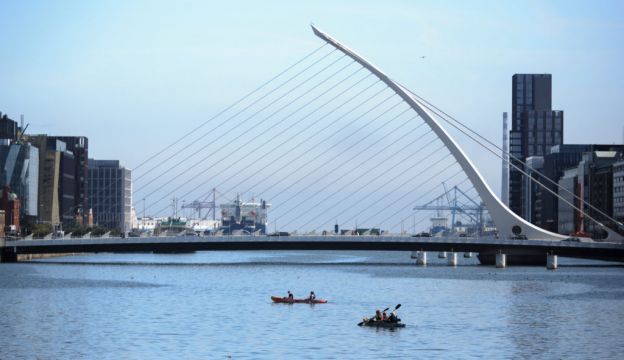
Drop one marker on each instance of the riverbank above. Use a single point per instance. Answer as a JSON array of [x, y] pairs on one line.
[[29, 257]]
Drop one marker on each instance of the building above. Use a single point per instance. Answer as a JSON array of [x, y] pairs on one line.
[[593, 182], [110, 194], [532, 190], [535, 129], [10, 204], [19, 169], [542, 202], [618, 192], [505, 164], [56, 181], [79, 147], [8, 128], [568, 218]]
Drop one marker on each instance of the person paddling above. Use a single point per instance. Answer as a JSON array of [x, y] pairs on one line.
[[393, 317], [377, 315], [290, 295], [312, 296]]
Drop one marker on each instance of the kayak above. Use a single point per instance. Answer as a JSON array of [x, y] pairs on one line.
[[286, 300], [382, 324]]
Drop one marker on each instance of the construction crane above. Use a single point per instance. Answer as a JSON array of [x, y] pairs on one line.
[[470, 209], [198, 205]]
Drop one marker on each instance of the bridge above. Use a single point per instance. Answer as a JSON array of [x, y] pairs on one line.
[[335, 178], [485, 245]]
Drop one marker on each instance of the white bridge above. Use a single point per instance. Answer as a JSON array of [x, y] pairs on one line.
[[513, 231]]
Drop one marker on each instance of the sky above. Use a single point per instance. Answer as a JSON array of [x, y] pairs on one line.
[[133, 76]]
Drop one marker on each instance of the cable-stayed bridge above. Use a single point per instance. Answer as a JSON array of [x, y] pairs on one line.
[[331, 139]]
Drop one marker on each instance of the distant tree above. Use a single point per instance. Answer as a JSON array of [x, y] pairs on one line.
[[40, 230], [98, 230]]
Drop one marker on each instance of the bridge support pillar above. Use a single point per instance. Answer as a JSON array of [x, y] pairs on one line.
[[501, 260], [452, 259], [551, 261], [421, 258]]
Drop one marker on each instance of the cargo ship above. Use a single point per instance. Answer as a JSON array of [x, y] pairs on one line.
[[244, 218]]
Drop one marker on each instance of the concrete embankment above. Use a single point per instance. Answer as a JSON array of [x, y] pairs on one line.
[[29, 257]]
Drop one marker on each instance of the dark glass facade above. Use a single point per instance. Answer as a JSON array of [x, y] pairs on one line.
[[19, 169], [110, 194], [8, 127], [79, 147], [535, 129]]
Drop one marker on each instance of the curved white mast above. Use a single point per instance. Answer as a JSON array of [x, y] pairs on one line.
[[507, 222]]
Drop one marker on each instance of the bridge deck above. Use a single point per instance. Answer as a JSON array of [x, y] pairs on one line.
[[595, 250]]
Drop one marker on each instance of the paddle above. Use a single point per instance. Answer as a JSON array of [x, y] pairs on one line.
[[386, 309]]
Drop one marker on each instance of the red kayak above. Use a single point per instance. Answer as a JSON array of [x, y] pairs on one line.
[[286, 300]]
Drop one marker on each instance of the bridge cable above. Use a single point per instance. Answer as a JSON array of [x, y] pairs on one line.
[[249, 106], [256, 124], [326, 138], [253, 115], [359, 165], [395, 213], [341, 105], [266, 142], [438, 161], [281, 145], [528, 176], [232, 105], [381, 173], [102, 191], [377, 152], [330, 136], [427, 216], [448, 118]]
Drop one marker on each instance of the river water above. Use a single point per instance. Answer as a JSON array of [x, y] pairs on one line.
[[216, 305]]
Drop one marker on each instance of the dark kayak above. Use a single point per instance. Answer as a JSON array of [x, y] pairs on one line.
[[286, 300], [382, 324]]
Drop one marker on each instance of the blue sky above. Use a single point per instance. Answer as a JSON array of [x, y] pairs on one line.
[[134, 75]]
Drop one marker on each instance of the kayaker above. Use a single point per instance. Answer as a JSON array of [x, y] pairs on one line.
[[377, 315], [393, 317], [384, 316], [312, 295], [290, 295]]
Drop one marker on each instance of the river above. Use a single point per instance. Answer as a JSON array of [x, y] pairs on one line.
[[216, 305]]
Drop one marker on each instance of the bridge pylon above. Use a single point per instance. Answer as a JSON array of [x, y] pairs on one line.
[[508, 223]]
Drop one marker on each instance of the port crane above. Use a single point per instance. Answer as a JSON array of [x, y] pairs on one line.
[[453, 200], [198, 205]]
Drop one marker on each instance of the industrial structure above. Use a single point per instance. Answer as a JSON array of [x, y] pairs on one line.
[[460, 207], [244, 217]]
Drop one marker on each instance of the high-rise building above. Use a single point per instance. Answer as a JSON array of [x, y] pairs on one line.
[[79, 147], [8, 128], [57, 174], [618, 191], [505, 165], [110, 194], [593, 182], [535, 129], [19, 169]]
